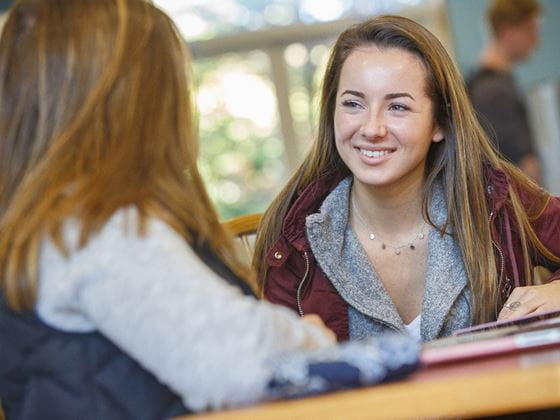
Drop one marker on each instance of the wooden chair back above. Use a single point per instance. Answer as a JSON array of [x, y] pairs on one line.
[[244, 228]]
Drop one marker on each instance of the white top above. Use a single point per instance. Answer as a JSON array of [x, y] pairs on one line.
[[413, 329], [155, 299]]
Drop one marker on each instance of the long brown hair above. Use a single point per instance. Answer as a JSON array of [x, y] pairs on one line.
[[458, 161], [95, 114]]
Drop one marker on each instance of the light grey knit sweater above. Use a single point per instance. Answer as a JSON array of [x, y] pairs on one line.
[[153, 297]]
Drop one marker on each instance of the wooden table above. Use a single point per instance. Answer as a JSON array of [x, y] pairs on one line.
[[499, 385]]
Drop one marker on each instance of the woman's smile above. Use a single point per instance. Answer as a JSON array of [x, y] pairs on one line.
[[375, 156]]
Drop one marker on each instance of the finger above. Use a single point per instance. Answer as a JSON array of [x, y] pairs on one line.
[[519, 294], [330, 333], [511, 311], [313, 319], [541, 309], [316, 321]]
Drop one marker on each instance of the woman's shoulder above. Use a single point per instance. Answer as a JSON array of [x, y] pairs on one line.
[[121, 249], [532, 197], [124, 232], [127, 224]]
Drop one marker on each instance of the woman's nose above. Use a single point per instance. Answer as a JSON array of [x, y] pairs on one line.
[[373, 127]]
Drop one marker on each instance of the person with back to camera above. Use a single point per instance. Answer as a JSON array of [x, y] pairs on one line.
[[495, 96], [114, 294], [403, 216]]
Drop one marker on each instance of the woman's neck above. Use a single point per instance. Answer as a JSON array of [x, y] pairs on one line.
[[394, 212]]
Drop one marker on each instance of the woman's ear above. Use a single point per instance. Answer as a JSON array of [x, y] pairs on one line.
[[438, 135]]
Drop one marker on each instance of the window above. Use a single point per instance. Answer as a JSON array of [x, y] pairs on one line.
[[241, 143], [258, 67]]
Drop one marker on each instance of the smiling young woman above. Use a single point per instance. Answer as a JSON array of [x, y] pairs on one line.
[[403, 216]]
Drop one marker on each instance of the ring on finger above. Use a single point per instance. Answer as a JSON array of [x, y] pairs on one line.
[[512, 306]]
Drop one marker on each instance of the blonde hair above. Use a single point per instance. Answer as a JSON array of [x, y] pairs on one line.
[[459, 161], [95, 114]]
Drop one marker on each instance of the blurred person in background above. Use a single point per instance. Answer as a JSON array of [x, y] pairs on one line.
[[499, 103]]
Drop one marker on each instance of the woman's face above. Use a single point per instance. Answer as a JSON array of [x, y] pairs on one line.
[[383, 119]]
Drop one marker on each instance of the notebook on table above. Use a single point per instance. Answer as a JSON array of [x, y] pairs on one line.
[[525, 333], [519, 322]]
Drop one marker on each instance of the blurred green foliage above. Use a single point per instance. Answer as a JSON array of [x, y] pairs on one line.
[[240, 161]]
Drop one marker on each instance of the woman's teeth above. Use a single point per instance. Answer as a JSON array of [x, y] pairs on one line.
[[374, 153]]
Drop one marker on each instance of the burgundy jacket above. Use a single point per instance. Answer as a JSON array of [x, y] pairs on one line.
[[295, 279]]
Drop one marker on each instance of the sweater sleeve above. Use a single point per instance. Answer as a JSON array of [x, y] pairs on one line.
[[153, 297]]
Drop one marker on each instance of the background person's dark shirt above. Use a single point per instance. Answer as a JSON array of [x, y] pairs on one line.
[[501, 112]]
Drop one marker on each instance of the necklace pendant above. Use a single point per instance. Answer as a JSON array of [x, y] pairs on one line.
[[398, 251], [371, 236], [421, 236]]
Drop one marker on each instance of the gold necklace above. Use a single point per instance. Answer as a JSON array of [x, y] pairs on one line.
[[372, 236]]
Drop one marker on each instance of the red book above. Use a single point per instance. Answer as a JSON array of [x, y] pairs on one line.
[[521, 334]]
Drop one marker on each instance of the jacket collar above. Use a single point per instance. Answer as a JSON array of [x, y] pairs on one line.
[[446, 277], [307, 201], [310, 199]]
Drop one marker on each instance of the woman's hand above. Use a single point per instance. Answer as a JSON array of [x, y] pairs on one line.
[[318, 322], [531, 299]]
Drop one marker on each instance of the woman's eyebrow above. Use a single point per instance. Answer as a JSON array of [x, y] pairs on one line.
[[388, 96], [399, 95], [354, 92]]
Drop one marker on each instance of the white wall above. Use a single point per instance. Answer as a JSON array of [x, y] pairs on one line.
[[544, 113]]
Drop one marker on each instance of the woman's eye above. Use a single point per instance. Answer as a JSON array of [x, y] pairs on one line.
[[350, 104], [398, 107]]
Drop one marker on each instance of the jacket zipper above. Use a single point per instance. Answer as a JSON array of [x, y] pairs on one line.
[[502, 263], [300, 286], [490, 190]]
